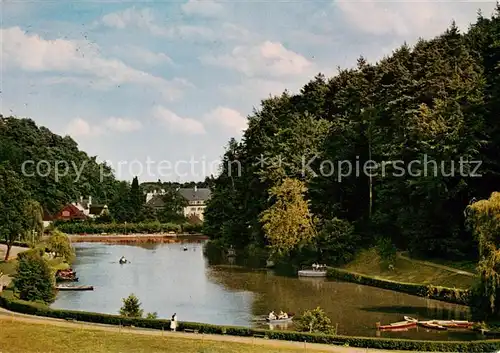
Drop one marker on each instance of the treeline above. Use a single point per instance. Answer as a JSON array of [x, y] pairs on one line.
[[436, 101]]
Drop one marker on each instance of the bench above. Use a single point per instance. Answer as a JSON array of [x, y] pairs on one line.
[[190, 330]]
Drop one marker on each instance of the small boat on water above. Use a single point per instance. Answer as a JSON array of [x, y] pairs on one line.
[[280, 321], [399, 325], [432, 325], [311, 273], [459, 324], [123, 260], [410, 319], [74, 288]]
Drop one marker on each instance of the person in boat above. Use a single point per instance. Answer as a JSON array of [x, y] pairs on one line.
[[123, 260], [285, 316], [272, 315], [314, 266]]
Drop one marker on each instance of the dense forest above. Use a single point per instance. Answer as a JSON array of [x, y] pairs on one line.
[[438, 100]]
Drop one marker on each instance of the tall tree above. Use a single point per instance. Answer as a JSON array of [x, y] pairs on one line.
[[288, 223], [14, 220]]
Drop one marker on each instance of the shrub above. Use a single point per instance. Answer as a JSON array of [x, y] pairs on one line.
[[386, 251], [118, 228], [34, 280], [314, 321], [131, 307]]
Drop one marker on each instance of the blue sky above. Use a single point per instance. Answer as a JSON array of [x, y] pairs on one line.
[[172, 81]]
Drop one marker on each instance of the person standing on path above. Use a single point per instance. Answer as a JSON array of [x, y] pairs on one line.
[[173, 322]]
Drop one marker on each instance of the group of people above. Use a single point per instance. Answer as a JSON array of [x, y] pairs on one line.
[[317, 267], [281, 315]]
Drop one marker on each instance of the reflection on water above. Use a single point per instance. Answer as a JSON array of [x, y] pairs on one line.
[[168, 279]]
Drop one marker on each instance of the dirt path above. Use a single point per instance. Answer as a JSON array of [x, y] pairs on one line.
[[8, 315], [443, 267], [13, 252]]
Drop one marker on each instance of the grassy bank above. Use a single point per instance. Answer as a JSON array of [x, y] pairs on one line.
[[368, 263], [18, 337]]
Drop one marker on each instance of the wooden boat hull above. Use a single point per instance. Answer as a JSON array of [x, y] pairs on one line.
[[431, 325], [311, 273], [75, 288], [398, 325], [454, 324]]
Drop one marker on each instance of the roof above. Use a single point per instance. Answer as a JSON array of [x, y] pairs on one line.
[[74, 213], [200, 194], [97, 209], [156, 201]]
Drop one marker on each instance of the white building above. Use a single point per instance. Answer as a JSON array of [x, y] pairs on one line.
[[196, 199]]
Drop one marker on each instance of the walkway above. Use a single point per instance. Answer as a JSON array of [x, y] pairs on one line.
[[443, 267], [8, 315]]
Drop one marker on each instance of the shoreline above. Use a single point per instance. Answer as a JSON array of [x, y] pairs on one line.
[[134, 238]]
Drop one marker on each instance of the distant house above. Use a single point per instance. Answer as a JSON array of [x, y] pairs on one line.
[[82, 210], [196, 199]]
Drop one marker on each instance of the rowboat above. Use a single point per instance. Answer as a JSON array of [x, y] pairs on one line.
[[311, 273], [280, 321], [454, 323], [410, 319], [431, 325], [68, 288], [398, 325]]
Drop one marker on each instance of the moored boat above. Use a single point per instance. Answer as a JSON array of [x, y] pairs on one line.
[[431, 325], [410, 319], [398, 325], [462, 324], [74, 288], [311, 273]]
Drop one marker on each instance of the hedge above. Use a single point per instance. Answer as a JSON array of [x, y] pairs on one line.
[[8, 302], [450, 295], [128, 228]]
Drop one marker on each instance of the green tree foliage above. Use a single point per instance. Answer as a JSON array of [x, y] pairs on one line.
[[131, 307], [60, 244], [34, 226], [314, 321], [337, 242], [287, 223], [136, 199], [34, 280], [174, 204], [23, 145], [15, 220], [433, 104], [484, 216]]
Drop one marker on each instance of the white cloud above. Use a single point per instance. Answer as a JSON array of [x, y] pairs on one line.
[[268, 58], [144, 19], [227, 118], [122, 124], [80, 127], [176, 123], [208, 8], [78, 60], [406, 18], [142, 56]]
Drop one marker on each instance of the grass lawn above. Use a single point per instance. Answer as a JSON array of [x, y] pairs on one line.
[[18, 337], [9, 267], [368, 263]]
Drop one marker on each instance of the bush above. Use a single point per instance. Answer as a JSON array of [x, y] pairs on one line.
[[192, 228], [131, 307], [34, 280], [450, 295], [387, 251], [362, 342], [314, 321]]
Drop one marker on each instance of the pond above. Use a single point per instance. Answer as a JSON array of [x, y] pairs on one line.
[[176, 277]]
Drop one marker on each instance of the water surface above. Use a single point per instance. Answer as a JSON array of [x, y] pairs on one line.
[[168, 279]]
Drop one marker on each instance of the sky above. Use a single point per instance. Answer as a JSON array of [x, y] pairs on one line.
[[157, 88]]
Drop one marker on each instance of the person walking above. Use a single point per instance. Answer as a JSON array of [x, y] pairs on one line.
[[173, 322]]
